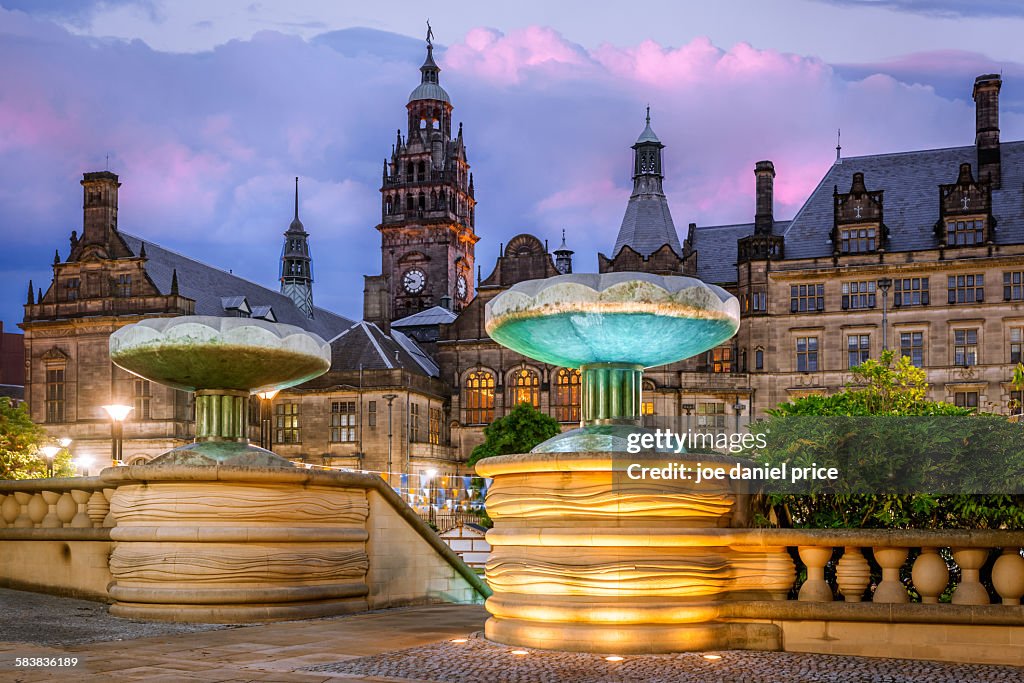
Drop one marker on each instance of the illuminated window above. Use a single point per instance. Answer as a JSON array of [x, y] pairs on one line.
[[912, 346], [479, 397], [525, 387], [722, 359], [965, 347], [343, 421], [566, 403], [287, 423], [55, 394], [436, 418], [647, 407]]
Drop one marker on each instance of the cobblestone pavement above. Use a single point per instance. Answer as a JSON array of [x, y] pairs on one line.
[[479, 661]]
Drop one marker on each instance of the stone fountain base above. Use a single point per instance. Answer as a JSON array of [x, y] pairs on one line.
[[586, 560]]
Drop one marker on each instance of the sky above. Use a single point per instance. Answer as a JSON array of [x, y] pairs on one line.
[[207, 110]]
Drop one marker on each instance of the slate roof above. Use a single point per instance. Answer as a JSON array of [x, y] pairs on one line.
[[716, 249], [435, 315], [911, 201], [647, 226], [209, 287], [364, 345]]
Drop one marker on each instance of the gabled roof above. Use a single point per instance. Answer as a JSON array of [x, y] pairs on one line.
[[209, 287], [716, 249], [364, 345], [436, 315], [910, 181], [647, 226]]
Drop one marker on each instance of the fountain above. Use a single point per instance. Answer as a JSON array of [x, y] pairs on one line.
[[584, 558]]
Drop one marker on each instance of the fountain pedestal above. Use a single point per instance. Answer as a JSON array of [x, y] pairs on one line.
[[584, 558]]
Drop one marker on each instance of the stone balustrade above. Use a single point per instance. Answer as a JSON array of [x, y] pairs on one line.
[[64, 503]]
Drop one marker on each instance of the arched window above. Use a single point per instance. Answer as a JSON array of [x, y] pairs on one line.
[[388, 206], [423, 202], [479, 397], [566, 401], [423, 171], [408, 202], [524, 387]]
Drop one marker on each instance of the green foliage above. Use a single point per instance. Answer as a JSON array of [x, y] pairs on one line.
[[20, 440], [519, 431], [977, 449]]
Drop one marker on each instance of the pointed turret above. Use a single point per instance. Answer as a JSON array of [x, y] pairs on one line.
[[296, 263], [174, 282], [31, 298], [647, 225], [563, 257]]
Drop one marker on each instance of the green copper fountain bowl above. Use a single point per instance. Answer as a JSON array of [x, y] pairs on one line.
[[638, 318], [206, 352]]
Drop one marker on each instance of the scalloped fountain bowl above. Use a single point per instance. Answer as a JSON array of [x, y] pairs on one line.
[[223, 360], [611, 327]]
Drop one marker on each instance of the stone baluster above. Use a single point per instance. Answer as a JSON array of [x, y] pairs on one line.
[[930, 575], [108, 520], [891, 589], [37, 509], [98, 508], [1008, 576], [815, 588], [66, 508], [9, 509], [80, 519], [853, 574], [50, 520], [970, 591], [22, 521]]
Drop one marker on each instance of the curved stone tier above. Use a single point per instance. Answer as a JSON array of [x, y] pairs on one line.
[[584, 559], [241, 548]]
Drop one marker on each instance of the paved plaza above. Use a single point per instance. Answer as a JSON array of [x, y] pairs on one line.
[[399, 645]]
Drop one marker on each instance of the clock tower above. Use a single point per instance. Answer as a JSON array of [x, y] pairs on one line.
[[427, 211]]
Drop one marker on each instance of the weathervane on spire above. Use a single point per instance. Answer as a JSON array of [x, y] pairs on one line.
[[648, 114], [839, 146], [430, 34]]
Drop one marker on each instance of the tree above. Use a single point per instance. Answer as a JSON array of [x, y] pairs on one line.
[[519, 431], [888, 438], [20, 441]]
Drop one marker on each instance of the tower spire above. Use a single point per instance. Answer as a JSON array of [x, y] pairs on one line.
[[296, 263]]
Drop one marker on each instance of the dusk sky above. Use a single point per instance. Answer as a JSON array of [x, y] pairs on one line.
[[207, 110]]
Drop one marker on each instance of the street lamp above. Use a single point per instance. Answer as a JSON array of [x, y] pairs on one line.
[[266, 399], [431, 478], [738, 408], [884, 284], [389, 398], [117, 413], [688, 407], [50, 452], [84, 463]]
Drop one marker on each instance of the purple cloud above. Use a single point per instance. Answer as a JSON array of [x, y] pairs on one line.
[[207, 143]]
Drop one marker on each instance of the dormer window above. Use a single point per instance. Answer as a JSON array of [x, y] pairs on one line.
[[236, 307], [857, 219], [965, 218], [124, 285], [965, 232], [264, 313]]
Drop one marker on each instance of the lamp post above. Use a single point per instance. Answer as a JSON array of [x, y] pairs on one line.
[[389, 398], [884, 284], [688, 407], [117, 413], [431, 479], [266, 403], [738, 409], [49, 452], [84, 463]]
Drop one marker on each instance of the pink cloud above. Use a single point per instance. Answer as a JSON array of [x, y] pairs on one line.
[[488, 53]]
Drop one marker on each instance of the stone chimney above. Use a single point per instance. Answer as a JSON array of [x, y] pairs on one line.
[[764, 171], [986, 108]]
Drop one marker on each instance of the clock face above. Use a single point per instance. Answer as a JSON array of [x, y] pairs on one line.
[[413, 280], [460, 287]]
